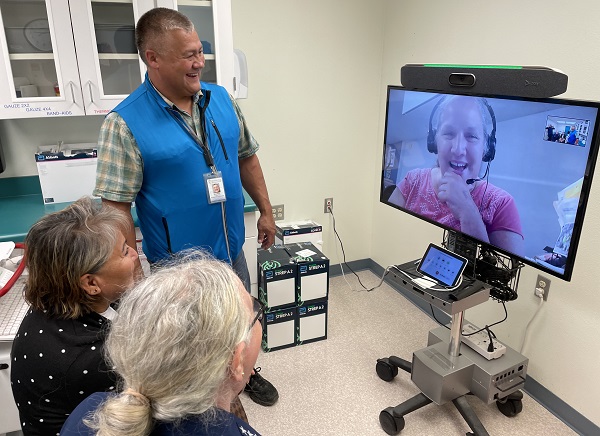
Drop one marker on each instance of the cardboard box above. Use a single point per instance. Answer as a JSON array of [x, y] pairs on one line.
[[66, 176], [312, 282], [312, 322], [276, 277], [299, 231], [279, 329]]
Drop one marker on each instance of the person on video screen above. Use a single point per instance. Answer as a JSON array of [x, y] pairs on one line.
[[572, 138], [462, 132]]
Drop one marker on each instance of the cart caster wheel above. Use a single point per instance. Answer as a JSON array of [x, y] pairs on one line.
[[385, 370], [510, 407], [516, 395], [389, 423]]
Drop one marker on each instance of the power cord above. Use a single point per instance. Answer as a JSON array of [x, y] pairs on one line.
[[330, 211], [540, 295], [432, 288], [342, 268], [487, 327], [411, 276], [338, 256], [448, 289], [365, 289], [385, 272], [491, 335]]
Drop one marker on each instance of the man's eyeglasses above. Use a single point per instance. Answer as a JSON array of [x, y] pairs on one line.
[[259, 310]]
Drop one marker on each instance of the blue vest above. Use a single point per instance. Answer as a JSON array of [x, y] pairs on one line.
[[172, 205]]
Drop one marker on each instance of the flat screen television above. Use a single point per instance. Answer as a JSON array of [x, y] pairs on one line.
[[510, 173]]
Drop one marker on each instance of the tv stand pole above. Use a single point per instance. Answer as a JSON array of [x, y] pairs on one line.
[[456, 334], [443, 373]]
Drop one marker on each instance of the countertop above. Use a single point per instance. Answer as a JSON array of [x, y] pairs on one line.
[[21, 205]]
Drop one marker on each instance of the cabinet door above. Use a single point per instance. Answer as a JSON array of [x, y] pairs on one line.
[[109, 66], [212, 20], [9, 415], [38, 65], [250, 248]]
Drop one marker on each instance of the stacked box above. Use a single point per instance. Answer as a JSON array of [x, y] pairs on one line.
[[279, 329], [296, 314], [312, 281], [276, 278], [299, 231], [58, 171], [312, 322]]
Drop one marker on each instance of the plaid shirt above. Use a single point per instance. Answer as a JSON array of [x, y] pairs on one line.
[[119, 175]]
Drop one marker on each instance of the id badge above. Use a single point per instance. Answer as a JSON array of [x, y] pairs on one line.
[[215, 189]]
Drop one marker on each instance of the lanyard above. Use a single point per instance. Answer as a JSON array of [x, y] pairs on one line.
[[208, 158]]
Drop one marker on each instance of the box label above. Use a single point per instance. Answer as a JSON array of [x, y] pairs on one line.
[[279, 274]]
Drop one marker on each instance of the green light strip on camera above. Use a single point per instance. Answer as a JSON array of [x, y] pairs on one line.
[[505, 67]]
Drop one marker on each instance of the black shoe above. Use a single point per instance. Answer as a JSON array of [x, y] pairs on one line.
[[260, 390]]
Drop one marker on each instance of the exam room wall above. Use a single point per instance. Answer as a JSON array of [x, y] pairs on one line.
[[563, 339], [313, 104]]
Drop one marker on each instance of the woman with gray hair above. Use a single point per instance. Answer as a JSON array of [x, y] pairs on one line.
[[185, 343], [455, 193], [78, 265]]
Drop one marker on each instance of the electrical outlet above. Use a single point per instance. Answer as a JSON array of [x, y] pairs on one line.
[[328, 205], [277, 212], [544, 284]]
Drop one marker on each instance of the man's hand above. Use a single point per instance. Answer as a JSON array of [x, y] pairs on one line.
[[253, 182], [266, 230]]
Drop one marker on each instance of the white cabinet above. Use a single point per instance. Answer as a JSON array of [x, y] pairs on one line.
[[212, 20], [78, 57], [109, 65], [250, 249], [67, 57], [9, 415]]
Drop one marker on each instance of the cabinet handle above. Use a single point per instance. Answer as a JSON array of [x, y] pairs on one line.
[[72, 92], [91, 93], [3, 366]]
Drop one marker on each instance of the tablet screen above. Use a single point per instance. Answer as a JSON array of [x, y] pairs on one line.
[[442, 265]]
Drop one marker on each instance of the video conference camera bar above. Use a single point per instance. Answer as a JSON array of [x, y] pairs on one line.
[[523, 81]]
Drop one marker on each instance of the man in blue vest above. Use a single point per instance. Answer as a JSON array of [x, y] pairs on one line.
[[180, 148]]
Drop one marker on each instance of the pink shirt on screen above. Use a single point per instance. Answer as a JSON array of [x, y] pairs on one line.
[[498, 208]]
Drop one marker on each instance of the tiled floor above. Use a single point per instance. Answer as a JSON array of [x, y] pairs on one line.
[[331, 387]]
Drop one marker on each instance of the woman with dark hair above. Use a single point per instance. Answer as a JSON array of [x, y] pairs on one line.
[[78, 265]]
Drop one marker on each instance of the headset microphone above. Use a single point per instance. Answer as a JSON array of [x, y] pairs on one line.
[[471, 181]]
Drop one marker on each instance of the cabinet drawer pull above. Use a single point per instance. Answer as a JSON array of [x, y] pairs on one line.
[[72, 92], [91, 93]]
